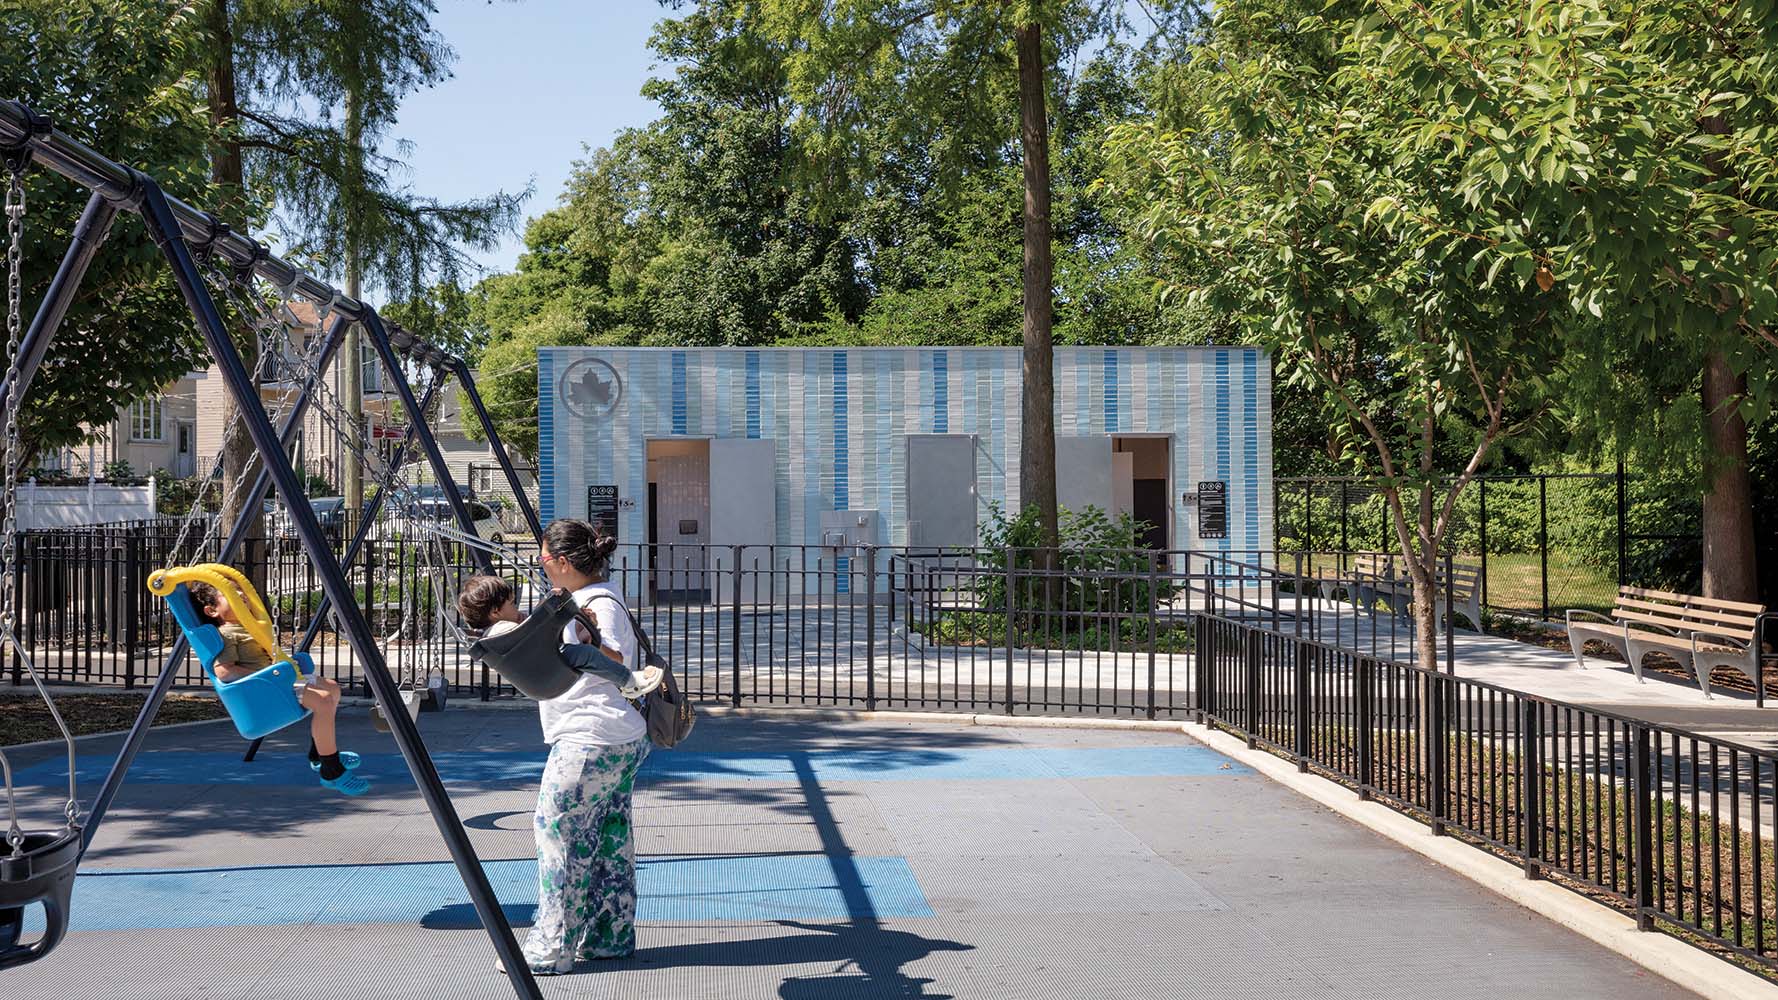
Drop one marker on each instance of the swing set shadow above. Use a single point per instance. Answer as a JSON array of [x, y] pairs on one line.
[[179, 231]]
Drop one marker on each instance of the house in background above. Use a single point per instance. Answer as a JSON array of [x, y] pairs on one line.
[[179, 431]]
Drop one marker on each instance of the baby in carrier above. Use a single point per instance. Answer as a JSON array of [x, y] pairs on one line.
[[488, 603]]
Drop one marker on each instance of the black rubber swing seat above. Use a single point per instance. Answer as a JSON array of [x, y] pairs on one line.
[[529, 657], [42, 872]]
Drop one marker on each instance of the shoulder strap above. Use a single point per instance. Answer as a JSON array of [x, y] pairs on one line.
[[635, 623]]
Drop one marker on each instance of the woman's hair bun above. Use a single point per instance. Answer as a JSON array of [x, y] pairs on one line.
[[603, 545]]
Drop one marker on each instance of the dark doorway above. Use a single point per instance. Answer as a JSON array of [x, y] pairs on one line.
[[1148, 503]]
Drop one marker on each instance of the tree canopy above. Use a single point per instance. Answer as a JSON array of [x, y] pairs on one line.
[[117, 76], [785, 196]]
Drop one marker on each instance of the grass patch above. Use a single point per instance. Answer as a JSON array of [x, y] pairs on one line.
[[25, 719]]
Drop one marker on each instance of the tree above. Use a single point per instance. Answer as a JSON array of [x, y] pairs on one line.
[[117, 76], [1285, 198], [1640, 138], [319, 83], [858, 61]]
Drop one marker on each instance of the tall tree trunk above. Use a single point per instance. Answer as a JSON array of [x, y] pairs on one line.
[[352, 350], [240, 462], [1037, 435], [1729, 569]]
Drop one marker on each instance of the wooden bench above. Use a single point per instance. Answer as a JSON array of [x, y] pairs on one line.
[[1699, 632], [1373, 577]]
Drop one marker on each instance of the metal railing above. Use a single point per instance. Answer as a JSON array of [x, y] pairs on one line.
[[1669, 826]]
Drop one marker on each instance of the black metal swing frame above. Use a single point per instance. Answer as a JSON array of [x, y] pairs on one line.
[[176, 228]]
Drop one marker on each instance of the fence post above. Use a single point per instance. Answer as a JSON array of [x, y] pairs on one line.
[[1011, 586], [1367, 683], [1345, 543], [1203, 657], [1482, 530], [870, 628], [1297, 618], [1450, 617], [1435, 750], [1543, 539], [1623, 526], [1643, 787], [18, 590], [1152, 598], [1531, 790], [132, 561], [735, 634], [1302, 741], [1255, 641]]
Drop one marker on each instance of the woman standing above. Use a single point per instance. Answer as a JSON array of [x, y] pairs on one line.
[[586, 859]]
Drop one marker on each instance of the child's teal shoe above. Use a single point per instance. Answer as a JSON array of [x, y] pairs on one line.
[[347, 784], [348, 760]]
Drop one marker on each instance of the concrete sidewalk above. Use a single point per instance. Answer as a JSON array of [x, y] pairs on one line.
[[792, 858]]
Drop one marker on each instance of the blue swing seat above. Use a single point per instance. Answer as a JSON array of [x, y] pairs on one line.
[[259, 704]]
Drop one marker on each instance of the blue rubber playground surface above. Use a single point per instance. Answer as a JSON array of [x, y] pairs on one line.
[[784, 857]]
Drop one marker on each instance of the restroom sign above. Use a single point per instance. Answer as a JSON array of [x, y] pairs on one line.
[[1213, 509], [602, 505]]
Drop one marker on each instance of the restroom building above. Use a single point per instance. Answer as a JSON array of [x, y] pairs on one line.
[[898, 446]]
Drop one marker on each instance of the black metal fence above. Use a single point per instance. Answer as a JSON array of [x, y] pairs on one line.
[[1669, 826], [956, 629], [1542, 543]]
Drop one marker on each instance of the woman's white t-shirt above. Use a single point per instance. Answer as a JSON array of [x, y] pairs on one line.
[[593, 712]]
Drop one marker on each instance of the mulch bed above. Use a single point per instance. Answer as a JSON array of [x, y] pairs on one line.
[[1726, 678], [24, 719]]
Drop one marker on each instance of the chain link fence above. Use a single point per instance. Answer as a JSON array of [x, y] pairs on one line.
[[1542, 543]]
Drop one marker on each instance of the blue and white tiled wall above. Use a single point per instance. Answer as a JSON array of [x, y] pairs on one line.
[[838, 418]]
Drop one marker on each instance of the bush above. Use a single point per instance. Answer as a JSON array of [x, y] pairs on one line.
[[117, 470], [1101, 584]]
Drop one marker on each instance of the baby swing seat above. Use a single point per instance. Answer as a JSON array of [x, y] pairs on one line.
[[264, 701]]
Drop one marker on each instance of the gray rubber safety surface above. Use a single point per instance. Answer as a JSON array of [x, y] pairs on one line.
[[1212, 885]]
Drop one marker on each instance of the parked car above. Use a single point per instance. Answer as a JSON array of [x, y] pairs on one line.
[[487, 523], [330, 511]]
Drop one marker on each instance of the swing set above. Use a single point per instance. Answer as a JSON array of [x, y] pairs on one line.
[[38, 867]]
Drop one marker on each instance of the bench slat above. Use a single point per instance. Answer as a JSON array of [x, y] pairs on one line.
[[1692, 600], [1698, 614], [1672, 642], [1682, 626]]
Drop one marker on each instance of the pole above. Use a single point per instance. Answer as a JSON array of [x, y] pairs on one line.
[[352, 373], [237, 534], [1623, 526], [1482, 530], [379, 338], [523, 499], [1543, 540], [163, 227]]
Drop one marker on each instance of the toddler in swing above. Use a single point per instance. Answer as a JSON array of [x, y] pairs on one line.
[[488, 603], [241, 656]]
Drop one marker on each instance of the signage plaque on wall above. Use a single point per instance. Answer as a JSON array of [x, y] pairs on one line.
[[1213, 509], [602, 506]]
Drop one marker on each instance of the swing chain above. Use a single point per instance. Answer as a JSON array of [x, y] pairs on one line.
[[15, 252]]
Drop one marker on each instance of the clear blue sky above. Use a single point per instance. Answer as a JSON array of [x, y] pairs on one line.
[[535, 81]]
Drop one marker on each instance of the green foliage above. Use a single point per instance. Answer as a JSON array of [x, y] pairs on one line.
[[118, 469], [115, 74], [320, 84], [850, 177], [1099, 596], [174, 497]]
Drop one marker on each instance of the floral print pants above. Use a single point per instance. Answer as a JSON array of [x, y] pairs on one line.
[[586, 858]]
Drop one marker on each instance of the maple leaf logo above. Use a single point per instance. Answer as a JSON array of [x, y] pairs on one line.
[[590, 387]]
